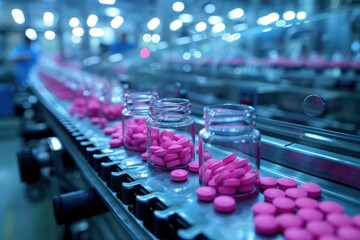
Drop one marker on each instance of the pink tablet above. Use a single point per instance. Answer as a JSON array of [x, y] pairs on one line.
[[310, 214], [339, 219], [179, 175], [329, 237], [289, 220], [206, 193], [306, 203], [319, 228], [285, 183], [194, 166], [331, 207], [272, 193], [284, 205], [312, 189], [115, 143], [144, 156], [263, 208], [296, 233], [356, 220], [348, 233], [224, 204], [295, 193], [267, 182], [266, 224], [109, 131]]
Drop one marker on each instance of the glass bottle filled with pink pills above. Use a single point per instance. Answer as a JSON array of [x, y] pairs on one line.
[[170, 134], [229, 150], [134, 115]]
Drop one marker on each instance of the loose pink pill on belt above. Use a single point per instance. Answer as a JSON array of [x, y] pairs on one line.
[[339, 220], [306, 203], [268, 182], [272, 193], [319, 228], [263, 208], [206, 193], [297, 234], [285, 183], [348, 233], [284, 205], [310, 214], [288, 220], [295, 193], [224, 204], [312, 189], [115, 142], [109, 131], [179, 175], [331, 207], [266, 224], [194, 166]]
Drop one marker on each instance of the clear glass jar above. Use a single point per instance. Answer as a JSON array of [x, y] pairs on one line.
[[134, 115], [170, 134], [229, 150]]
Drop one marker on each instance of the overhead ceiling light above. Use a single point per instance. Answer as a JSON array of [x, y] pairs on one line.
[[301, 15], [18, 16], [186, 18], [155, 38], [49, 35], [78, 32], [289, 15], [210, 8], [92, 20], [217, 28], [117, 22], [96, 32], [107, 2], [153, 23], [214, 20], [147, 37], [178, 6], [74, 22], [200, 27], [273, 17], [31, 33], [48, 19], [175, 25], [236, 13], [112, 11]]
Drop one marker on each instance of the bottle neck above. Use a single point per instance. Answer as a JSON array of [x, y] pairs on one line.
[[170, 109], [140, 102], [229, 119]]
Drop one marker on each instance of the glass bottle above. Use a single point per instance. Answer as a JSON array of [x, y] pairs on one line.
[[134, 115], [229, 150], [170, 134]]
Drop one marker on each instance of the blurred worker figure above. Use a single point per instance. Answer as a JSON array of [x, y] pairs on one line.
[[24, 56], [122, 45]]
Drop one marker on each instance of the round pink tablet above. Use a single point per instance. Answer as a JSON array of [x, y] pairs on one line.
[[331, 207], [339, 219], [348, 233], [194, 166], [329, 237], [263, 208], [284, 205], [206, 193], [295, 233], [295, 193], [272, 193], [356, 220], [179, 175], [319, 228], [109, 131], [144, 156], [285, 183], [266, 224], [312, 189], [268, 182], [224, 204], [115, 142], [310, 214], [306, 203], [288, 220]]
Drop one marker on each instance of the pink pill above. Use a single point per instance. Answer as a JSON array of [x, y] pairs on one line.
[[166, 145], [194, 166], [219, 170], [248, 178], [208, 174], [266, 225], [240, 163], [263, 208], [158, 161], [219, 178], [329, 237], [117, 135], [226, 190], [331, 207], [175, 148], [215, 166], [206, 156], [272, 193], [231, 182], [154, 148], [238, 173], [206, 194], [348, 233], [310, 214], [170, 156], [312, 189], [288, 220], [356, 220], [319, 228], [268, 182], [185, 160], [109, 131], [285, 183], [144, 156], [284, 205], [183, 142], [295, 193], [339, 220], [161, 152], [246, 188], [179, 175], [166, 139], [229, 159], [297, 234], [184, 152], [212, 183], [224, 204], [247, 168], [173, 163], [115, 143], [306, 203]]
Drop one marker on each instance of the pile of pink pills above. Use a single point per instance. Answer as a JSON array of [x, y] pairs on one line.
[[295, 212], [229, 176], [169, 150], [135, 134], [116, 134]]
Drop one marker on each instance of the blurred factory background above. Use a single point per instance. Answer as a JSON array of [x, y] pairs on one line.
[[296, 61]]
